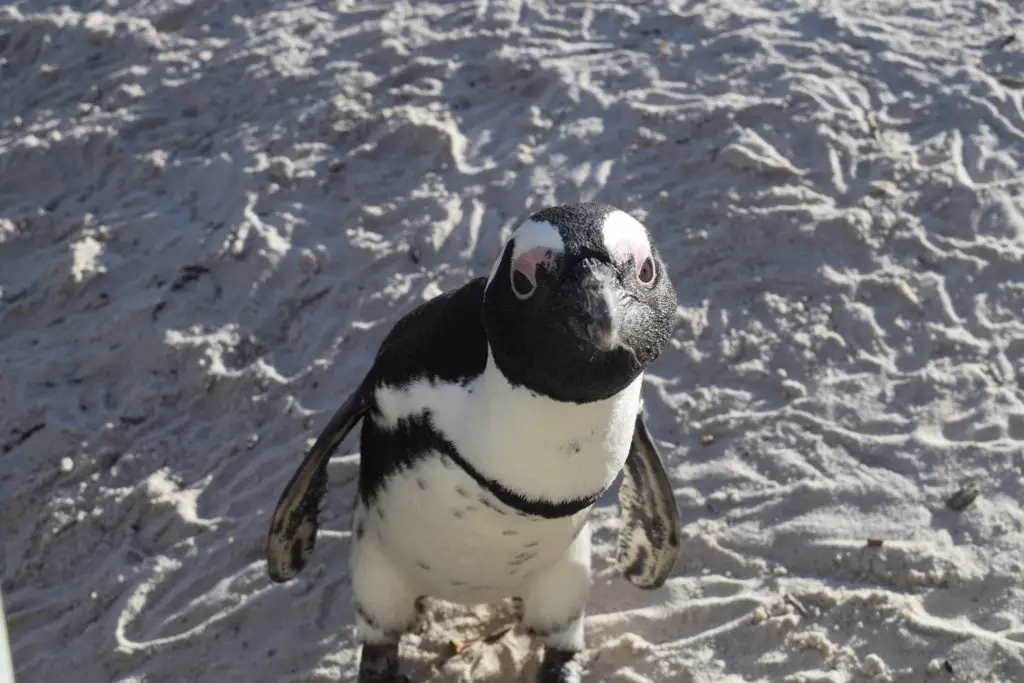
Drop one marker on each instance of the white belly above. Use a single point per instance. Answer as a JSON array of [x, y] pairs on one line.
[[450, 535], [456, 541]]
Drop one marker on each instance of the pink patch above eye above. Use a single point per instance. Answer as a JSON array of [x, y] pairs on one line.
[[638, 251], [526, 264], [527, 261]]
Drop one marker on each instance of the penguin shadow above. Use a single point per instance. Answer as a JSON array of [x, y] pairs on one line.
[[219, 587], [611, 592], [325, 580], [691, 602]]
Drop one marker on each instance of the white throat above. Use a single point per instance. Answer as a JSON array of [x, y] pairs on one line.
[[552, 449]]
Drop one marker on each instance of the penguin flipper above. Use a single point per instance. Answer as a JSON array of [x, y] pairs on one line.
[[294, 525], [649, 533]]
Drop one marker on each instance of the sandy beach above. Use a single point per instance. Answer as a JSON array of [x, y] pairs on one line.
[[211, 213]]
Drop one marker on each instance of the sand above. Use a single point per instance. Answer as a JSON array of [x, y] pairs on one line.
[[211, 213]]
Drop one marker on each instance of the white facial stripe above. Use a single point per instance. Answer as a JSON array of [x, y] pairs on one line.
[[531, 235], [624, 235]]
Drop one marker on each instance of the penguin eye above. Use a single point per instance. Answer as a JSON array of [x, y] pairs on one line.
[[637, 254], [522, 286], [646, 272]]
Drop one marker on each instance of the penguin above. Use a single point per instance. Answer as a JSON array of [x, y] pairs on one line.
[[494, 417]]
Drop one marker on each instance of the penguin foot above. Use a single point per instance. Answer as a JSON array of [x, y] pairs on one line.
[[379, 664], [560, 666]]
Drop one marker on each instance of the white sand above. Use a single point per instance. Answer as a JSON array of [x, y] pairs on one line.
[[211, 213]]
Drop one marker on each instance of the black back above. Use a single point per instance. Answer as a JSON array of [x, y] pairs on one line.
[[442, 340]]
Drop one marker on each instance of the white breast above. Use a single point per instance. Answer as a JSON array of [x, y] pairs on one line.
[[533, 445]]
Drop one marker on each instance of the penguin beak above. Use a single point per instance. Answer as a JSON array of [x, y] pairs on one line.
[[597, 317]]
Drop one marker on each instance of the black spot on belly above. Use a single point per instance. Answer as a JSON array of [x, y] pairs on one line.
[[521, 558], [532, 544], [509, 532], [422, 484], [456, 582], [574, 447], [489, 505], [360, 529], [423, 565], [459, 514], [461, 491]]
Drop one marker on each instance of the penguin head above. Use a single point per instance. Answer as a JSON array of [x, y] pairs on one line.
[[578, 304]]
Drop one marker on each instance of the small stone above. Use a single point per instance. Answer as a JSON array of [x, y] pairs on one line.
[[66, 464], [873, 666], [964, 497]]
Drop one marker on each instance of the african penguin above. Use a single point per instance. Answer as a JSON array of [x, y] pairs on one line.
[[493, 418]]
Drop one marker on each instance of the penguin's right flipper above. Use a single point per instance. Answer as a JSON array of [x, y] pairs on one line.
[[649, 527], [294, 525]]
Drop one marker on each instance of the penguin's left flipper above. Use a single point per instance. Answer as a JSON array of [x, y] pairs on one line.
[[649, 533], [294, 525]]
